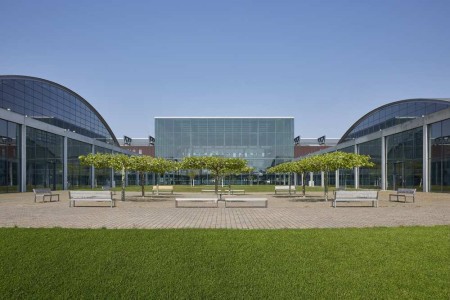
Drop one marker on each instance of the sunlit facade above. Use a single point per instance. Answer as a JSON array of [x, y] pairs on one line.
[[44, 127], [409, 142]]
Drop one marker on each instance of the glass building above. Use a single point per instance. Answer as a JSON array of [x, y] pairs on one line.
[[44, 127], [409, 142], [263, 142]]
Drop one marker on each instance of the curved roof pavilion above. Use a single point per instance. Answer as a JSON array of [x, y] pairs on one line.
[[392, 114], [52, 103]]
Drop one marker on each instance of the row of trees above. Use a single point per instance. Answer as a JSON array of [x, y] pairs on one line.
[[326, 163], [219, 167]]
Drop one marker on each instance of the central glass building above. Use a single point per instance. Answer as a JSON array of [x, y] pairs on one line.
[[263, 142]]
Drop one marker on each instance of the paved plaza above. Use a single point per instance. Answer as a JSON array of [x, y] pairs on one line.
[[283, 212]]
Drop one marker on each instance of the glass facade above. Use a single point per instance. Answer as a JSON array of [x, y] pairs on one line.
[[52, 104], [317, 177], [347, 176], [43, 166], [439, 156], [9, 157], [78, 176], [102, 176], [394, 114], [404, 158], [263, 142], [371, 177], [44, 160]]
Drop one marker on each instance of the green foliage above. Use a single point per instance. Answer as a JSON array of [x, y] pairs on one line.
[[161, 166], [218, 166], [327, 162], [98, 160], [141, 164], [123, 163], [369, 263], [333, 161], [118, 162]]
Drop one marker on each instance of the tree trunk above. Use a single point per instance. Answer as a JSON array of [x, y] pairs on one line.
[[157, 185], [325, 190], [304, 184], [216, 184], [289, 179], [142, 175], [122, 197]]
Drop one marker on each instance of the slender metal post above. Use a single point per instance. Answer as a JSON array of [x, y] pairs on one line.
[[425, 164], [65, 165], [383, 164], [23, 158]]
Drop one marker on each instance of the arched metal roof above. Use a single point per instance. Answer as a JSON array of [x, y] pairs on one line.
[[77, 96], [444, 102]]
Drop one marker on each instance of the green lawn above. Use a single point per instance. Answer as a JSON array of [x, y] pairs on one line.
[[407, 263]]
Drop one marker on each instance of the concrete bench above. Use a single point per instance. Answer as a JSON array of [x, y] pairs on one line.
[[404, 193], [284, 188], [92, 196], [163, 189], [44, 193], [235, 192], [211, 191], [246, 202], [196, 202], [354, 196]]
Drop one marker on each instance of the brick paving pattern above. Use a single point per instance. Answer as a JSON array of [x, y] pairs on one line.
[[283, 212]]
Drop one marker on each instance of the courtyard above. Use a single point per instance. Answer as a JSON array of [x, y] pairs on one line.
[[20, 210]]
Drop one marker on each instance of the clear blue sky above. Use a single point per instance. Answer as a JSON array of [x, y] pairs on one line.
[[326, 63]]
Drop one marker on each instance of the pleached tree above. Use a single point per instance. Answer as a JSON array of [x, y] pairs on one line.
[[117, 162], [217, 166], [141, 164], [332, 161], [160, 166]]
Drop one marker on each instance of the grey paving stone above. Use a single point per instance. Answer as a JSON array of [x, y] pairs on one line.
[[283, 212]]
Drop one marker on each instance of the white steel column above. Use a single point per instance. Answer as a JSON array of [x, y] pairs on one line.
[[23, 158], [311, 179], [322, 179], [425, 166], [356, 171], [383, 164], [113, 183], [93, 171], [337, 178], [65, 165]]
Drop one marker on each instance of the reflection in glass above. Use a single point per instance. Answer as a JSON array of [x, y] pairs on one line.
[[347, 176], [395, 114], [44, 160], [9, 157], [439, 156], [371, 177], [102, 176], [263, 142], [53, 105], [404, 159], [78, 176]]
